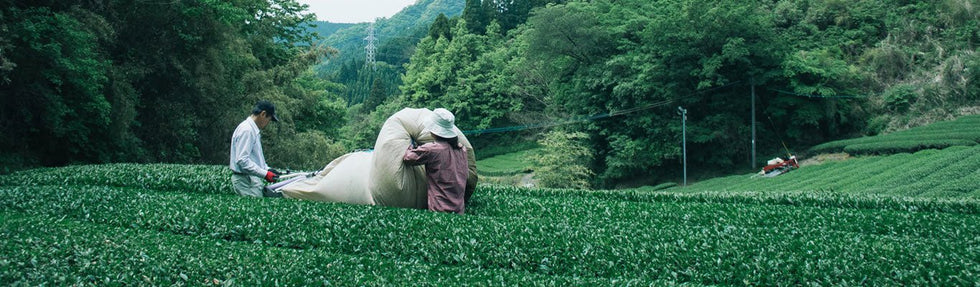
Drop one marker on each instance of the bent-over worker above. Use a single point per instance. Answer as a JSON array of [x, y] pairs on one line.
[[247, 162], [445, 164]]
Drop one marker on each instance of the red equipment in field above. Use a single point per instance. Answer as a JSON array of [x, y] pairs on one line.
[[779, 166]]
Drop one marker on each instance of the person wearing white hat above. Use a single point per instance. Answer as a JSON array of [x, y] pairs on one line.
[[446, 167]]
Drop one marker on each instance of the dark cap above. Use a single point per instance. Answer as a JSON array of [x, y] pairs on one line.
[[266, 106]]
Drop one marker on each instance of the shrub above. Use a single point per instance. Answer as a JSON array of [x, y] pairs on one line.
[[310, 150], [899, 98], [563, 161], [900, 146]]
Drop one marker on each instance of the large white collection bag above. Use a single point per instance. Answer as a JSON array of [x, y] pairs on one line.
[[343, 180], [380, 177]]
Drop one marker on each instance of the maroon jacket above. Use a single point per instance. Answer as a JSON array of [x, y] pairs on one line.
[[446, 169]]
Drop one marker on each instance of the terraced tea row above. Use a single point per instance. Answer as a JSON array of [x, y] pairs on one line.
[[949, 173], [964, 131]]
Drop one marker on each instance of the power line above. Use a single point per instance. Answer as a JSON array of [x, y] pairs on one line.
[[570, 120]]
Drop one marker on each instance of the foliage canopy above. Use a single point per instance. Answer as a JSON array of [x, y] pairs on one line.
[[817, 69]]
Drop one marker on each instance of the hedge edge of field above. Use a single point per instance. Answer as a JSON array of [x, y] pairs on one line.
[[215, 180], [812, 198], [962, 131]]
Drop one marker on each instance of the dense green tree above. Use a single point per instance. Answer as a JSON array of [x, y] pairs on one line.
[[569, 34], [481, 95], [815, 67], [96, 81], [703, 55], [397, 37], [507, 13], [54, 106], [475, 13], [376, 96], [440, 27], [99, 81], [315, 105], [5, 64], [426, 75], [679, 56], [358, 81], [461, 75], [515, 13]]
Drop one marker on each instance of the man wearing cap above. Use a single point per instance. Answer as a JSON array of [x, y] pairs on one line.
[[247, 163], [446, 167]]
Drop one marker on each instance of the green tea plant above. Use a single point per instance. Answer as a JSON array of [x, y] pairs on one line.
[[572, 236], [903, 219], [964, 131], [904, 145], [177, 177], [51, 250]]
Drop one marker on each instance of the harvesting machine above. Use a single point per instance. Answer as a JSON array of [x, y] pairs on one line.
[[779, 166]]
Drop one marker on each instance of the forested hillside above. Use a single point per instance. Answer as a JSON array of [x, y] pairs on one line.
[[324, 28], [383, 88], [395, 42], [149, 81], [819, 70], [157, 81]]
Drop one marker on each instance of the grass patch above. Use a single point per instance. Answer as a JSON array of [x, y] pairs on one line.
[[493, 150], [506, 164]]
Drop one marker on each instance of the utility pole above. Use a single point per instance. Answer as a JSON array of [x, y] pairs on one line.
[[753, 124], [681, 111], [370, 48]]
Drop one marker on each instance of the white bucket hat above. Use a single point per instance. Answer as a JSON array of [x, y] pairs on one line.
[[441, 123]]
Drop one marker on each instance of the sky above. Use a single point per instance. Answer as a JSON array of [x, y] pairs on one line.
[[355, 11]]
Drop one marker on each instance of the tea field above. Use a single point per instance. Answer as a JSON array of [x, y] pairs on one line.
[[131, 224], [941, 161], [964, 131], [950, 174]]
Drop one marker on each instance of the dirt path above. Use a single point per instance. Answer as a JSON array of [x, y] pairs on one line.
[[528, 180], [826, 157]]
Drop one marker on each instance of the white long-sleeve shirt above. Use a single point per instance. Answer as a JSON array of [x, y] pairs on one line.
[[246, 150]]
